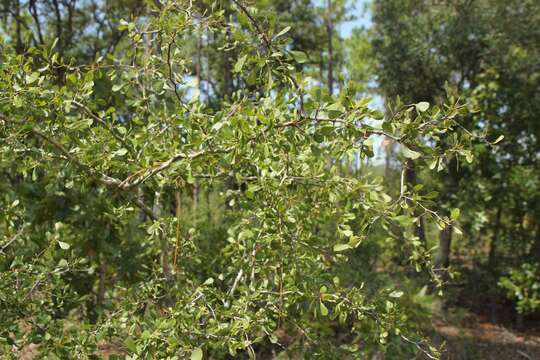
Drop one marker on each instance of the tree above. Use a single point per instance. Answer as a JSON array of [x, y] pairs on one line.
[[114, 144], [421, 47]]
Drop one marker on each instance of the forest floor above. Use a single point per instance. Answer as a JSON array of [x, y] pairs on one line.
[[470, 336]]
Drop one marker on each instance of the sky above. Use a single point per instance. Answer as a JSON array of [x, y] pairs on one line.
[[363, 18]]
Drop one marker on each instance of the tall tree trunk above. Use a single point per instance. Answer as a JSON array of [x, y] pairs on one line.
[[177, 248], [330, 34], [442, 261], [493, 305], [164, 245], [410, 179], [388, 150], [58, 22], [140, 198], [34, 12], [198, 73], [227, 74], [321, 67], [198, 62], [100, 296], [494, 239], [19, 46], [388, 145], [534, 252], [195, 195]]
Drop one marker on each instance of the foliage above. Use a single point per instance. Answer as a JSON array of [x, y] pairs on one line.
[[522, 285], [101, 159], [486, 52]]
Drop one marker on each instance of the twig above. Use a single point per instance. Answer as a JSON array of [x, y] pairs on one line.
[[104, 123], [230, 294], [13, 238], [267, 41], [419, 347]]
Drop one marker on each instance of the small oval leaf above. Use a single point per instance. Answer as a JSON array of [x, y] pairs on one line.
[[341, 247], [63, 245], [196, 354], [422, 106]]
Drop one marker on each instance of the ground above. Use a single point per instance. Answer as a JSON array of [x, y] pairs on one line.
[[470, 336]]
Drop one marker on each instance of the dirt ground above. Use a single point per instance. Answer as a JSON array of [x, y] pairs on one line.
[[470, 337]]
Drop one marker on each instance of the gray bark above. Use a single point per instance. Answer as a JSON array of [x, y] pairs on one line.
[[442, 261]]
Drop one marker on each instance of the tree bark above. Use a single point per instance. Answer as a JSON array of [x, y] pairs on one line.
[[227, 75], [410, 179], [164, 245], [330, 34], [442, 261], [178, 198], [534, 253], [494, 239]]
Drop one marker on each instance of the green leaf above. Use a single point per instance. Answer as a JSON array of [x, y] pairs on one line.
[[354, 241], [411, 154], [121, 152], [17, 102], [63, 245], [341, 247], [347, 233], [299, 56], [422, 106], [63, 263], [469, 157], [387, 126], [335, 107], [196, 354], [454, 214], [130, 344], [403, 220], [32, 77], [377, 115], [431, 195], [283, 32], [240, 64], [117, 87], [396, 294], [323, 308]]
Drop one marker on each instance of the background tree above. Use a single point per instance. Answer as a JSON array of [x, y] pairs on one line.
[[420, 47]]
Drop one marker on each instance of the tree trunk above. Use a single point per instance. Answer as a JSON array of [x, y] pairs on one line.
[[389, 154], [410, 179], [100, 296], [164, 245], [321, 68], [494, 239], [442, 261], [198, 74], [534, 253], [19, 46], [177, 249], [227, 75], [330, 34], [195, 195]]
